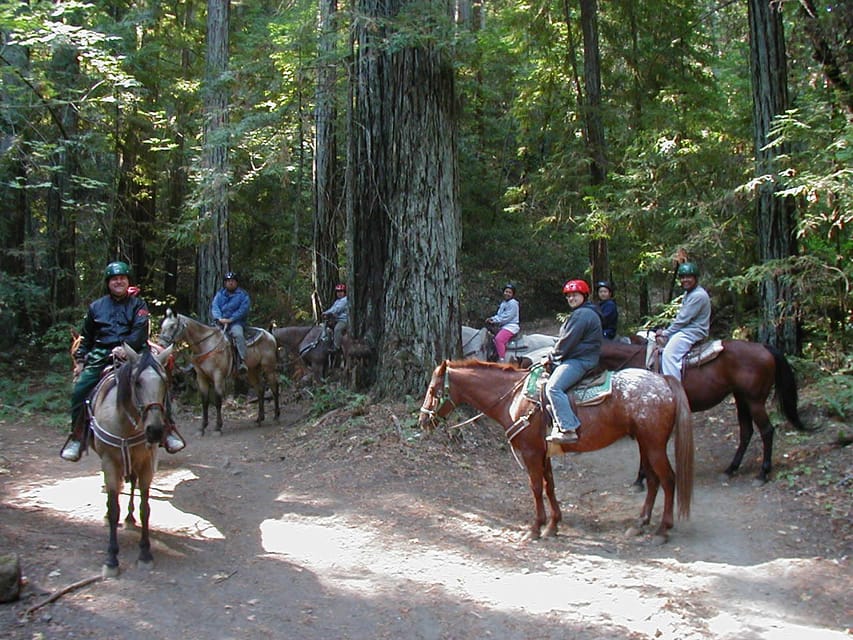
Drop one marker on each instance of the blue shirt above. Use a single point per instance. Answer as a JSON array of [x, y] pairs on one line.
[[231, 304]]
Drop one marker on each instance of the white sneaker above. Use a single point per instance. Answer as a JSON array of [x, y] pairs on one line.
[[72, 451], [174, 443]]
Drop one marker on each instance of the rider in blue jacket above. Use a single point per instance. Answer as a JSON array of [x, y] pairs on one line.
[[230, 308]]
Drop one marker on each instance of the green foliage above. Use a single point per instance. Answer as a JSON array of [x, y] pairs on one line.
[[27, 395]]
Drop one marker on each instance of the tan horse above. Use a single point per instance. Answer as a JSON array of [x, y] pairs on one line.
[[213, 361], [128, 414]]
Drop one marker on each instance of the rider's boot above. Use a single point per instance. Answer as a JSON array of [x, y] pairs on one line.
[[73, 447], [172, 440], [241, 366]]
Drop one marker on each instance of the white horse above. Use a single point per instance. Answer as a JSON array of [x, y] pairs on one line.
[[476, 344]]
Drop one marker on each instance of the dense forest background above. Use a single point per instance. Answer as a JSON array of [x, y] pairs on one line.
[[425, 153]]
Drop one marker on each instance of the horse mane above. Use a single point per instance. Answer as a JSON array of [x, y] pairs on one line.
[[126, 376]]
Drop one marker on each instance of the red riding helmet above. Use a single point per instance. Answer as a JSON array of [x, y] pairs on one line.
[[341, 287], [579, 286]]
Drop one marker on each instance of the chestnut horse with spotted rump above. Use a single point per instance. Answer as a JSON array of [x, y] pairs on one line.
[[643, 405]]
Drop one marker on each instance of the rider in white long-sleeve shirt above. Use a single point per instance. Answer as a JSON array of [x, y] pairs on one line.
[[691, 325]]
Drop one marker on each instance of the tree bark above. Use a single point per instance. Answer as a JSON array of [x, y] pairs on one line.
[[775, 216], [328, 212], [403, 208], [214, 254]]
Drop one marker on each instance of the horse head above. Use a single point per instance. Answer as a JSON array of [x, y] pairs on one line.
[[142, 389], [170, 329], [437, 402]]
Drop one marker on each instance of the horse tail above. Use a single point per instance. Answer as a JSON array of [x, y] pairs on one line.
[[683, 448], [786, 388]]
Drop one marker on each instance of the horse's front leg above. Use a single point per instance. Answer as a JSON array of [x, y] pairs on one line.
[[256, 381], [273, 384], [145, 560], [204, 392], [218, 401], [535, 473], [556, 513], [110, 568]]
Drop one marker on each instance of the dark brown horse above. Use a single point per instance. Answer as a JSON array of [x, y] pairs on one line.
[[310, 344], [642, 405], [128, 413], [747, 370], [213, 361]]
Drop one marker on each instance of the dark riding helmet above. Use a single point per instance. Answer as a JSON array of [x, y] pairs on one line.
[[511, 286], [606, 284], [579, 286], [116, 269], [688, 269], [230, 275], [341, 287]]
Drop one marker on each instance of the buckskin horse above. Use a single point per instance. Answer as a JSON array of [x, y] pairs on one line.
[[127, 417], [213, 360], [642, 405], [747, 370]]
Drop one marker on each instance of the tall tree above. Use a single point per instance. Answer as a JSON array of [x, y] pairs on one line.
[[776, 222], [402, 206], [214, 253], [327, 188]]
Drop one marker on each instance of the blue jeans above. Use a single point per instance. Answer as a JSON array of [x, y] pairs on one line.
[[564, 376], [236, 331]]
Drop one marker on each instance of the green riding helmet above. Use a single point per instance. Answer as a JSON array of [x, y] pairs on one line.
[[688, 269], [116, 269]]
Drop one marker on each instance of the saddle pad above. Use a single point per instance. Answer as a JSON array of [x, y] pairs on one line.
[[702, 353], [252, 334], [590, 390]]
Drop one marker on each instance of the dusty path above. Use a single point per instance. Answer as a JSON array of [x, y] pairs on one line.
[[344, 530]]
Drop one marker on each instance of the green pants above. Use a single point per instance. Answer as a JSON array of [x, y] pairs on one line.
[[96, 362]]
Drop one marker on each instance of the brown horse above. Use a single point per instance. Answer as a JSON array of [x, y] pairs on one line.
[[642, 405], [308, 343], [128, 412], [748, 370], [213, 360]]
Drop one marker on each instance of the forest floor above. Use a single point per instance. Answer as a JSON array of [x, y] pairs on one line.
[[356, 525]]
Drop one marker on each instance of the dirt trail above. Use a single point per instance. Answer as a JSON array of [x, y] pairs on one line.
[[342, 529]]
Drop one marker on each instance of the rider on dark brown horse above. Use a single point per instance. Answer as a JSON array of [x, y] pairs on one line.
[[111, 320], [230, 308], [690, 326], [575, 354], [338, 314]]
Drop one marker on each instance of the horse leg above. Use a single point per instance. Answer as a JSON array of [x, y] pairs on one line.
[[660, 467], [204, 391], [534, 463], [556, 513], [145, 560], [639, 484], [218, 401], [272, 383], [766, 430], [256, 381], [110, 568], [744, 418], [130, 519]]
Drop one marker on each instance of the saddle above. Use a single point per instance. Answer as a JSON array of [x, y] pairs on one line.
[[697, 356], [594, 388], [324, 337]]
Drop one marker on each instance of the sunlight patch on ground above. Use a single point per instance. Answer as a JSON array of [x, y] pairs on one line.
[[83, 499], [647, 598]]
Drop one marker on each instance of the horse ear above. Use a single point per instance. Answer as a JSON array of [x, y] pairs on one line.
[[132, 356], [163, 355]]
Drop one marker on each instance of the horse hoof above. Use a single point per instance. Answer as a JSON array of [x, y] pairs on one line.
[[659, 539], [759, 481], [550, 532], [109, 572], [530, 536], [200, 433], [145, 565], [634, 531]]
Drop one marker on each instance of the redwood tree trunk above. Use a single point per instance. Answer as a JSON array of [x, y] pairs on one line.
[[775, 216], [403, 210], [214, 254]]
